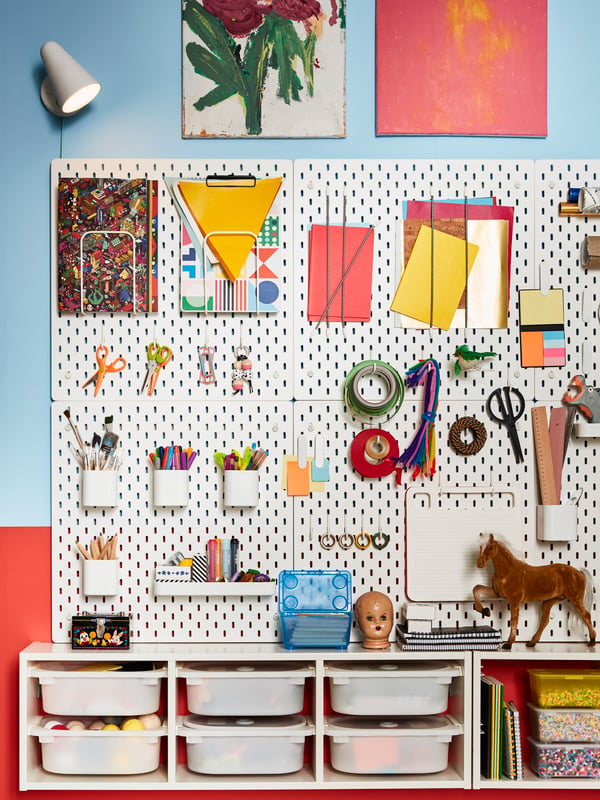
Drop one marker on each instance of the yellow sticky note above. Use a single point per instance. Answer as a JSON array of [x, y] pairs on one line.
[[452, 262]]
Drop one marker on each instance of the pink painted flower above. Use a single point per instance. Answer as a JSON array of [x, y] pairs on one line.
[[240, 17]]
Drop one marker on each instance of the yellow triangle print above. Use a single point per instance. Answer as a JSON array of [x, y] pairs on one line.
[[241, 210]]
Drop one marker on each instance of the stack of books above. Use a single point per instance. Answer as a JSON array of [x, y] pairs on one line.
[[467, 637]]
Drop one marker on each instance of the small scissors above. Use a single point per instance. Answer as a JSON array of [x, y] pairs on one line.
[[506, 415], [115, 366], [160, 356]]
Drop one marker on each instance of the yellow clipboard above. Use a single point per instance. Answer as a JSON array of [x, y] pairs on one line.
[[231, 215]]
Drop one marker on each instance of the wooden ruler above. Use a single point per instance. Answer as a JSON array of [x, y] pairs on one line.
[[543, 454], [558, 422]]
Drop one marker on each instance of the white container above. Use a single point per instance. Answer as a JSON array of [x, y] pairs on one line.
[[171, 488], [402, 745], [100, 577], [99, 488], [85, 752], [390, 688], [245, 746], [245, 689], [557, 523], [240, 488], [564, 724], [94, 689]]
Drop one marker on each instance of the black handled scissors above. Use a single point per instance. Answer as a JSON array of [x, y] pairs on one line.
[[501, 410]]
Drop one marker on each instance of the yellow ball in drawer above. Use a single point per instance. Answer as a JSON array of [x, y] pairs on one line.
[[132, 724]]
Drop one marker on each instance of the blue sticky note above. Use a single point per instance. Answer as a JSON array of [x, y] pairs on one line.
[[319, 473]]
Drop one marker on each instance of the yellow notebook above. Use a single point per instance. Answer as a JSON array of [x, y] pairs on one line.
[[452, 260], [241, 210]]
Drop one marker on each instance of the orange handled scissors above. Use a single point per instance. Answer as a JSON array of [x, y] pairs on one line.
[[115, 366], [160, 356]]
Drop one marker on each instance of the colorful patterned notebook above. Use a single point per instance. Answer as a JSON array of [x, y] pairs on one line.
[[107, 245]]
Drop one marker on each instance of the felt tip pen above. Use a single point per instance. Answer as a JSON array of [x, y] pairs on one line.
[[226, 559], [218, 562], [211, 547], [233, 555]]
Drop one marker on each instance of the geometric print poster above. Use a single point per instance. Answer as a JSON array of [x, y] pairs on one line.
[[205, 286]]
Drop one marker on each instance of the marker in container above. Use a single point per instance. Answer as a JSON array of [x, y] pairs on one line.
[[226, 559], [212, 553], [218, 562], [233, 557]]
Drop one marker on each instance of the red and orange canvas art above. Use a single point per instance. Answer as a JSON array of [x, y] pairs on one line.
[[462, 67]]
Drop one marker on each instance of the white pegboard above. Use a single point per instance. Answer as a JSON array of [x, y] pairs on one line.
[[298, 389], [76, 336], [375, 191], [558, 254], [149, 535]]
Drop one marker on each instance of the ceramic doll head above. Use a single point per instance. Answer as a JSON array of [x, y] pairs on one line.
[[374, 615]]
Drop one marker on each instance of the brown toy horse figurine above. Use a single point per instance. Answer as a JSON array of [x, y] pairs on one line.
[[518, 582]]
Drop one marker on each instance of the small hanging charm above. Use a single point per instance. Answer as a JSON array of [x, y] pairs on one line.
[[242, 370], [207, 358]]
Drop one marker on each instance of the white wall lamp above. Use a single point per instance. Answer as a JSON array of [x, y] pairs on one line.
[[67, 88]]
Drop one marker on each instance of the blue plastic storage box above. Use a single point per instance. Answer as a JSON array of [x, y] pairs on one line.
[[315, 608]]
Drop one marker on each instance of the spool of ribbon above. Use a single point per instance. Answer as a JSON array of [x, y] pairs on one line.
[[374, 440], [386, 406], [590, 252], [589, 200]]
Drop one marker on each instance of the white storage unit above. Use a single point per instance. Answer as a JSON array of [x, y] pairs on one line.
[[539, 772], [279, 752]]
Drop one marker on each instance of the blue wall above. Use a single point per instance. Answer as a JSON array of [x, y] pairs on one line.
[[134, 48]]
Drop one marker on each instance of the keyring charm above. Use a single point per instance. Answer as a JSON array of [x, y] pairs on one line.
[[241, 375], [380, 540], [327, 541], [362, 540], [345, 541]]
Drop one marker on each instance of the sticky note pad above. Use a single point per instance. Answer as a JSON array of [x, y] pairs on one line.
[[297, 480], [542, 328], [448, 263]]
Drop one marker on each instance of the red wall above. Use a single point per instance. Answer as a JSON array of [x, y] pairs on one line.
[[25, 616]]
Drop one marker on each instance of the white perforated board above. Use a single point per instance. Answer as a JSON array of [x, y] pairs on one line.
[[291, 365]]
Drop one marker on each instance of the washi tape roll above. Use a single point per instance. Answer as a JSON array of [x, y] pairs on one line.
[[367, 466], [589, 200], [362, 407], [590, 252]]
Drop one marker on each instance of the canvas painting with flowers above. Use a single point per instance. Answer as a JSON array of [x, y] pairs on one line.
[[264, 68]]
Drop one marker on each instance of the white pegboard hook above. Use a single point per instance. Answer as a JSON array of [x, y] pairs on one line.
[[543, 282]]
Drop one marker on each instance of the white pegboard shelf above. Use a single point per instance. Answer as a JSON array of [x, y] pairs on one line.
[[201, 589]]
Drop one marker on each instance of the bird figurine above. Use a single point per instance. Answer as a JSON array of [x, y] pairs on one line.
[[468, 359]]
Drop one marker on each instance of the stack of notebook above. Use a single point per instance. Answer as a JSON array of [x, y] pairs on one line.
[[467, 637]]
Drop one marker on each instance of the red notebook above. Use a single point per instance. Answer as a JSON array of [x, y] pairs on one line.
[[352, 302]]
